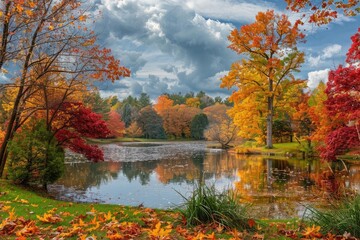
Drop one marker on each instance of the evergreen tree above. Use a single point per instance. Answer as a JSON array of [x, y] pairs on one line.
[[198, 125], [151, 123]]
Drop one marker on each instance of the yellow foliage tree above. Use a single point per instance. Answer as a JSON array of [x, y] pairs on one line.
[[269, 45]]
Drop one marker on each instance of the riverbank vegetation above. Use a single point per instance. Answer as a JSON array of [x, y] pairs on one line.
[[27, 215]]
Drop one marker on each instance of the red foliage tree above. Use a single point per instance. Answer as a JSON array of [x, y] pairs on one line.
[[343, 92], [72, 122], [339, 141], [115, 125]]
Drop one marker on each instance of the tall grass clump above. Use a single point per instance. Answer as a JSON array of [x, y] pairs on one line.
[[207, 205], [341, 218]]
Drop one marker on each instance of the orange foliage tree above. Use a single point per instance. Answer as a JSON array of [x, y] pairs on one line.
[[162, 104], [221, 127], [323, 12], [48, 38], [270, 47], [115, 125], [319, 115], [177, 120]]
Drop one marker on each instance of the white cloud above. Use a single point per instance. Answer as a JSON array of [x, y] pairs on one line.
[[241, 11], [331, 50], [181, 45], [314, 61], [328, 52], [315, 77], [167, 45]]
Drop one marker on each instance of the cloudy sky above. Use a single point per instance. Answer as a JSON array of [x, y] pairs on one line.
[[181, 45]]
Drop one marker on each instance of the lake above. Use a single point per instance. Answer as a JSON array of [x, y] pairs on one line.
[[155, 174]]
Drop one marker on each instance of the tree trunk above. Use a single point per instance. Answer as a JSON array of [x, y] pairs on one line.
[[5, 35], [269, 120], [10, 129], [15, 112]]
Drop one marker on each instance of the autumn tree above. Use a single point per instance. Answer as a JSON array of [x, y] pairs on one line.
[[343, 103], [115, 125], [248, 116], [193, 102], [177, 120], [224, 133], [304, 126], [221, 127], [72, 122], [320, 117], [269, 45], [45, 37], [163, 103], [134, 130], [323, 12]]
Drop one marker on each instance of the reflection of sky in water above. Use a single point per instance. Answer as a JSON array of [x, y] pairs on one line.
[[155, 174], [154, 194]]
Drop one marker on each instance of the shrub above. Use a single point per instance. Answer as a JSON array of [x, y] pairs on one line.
[[207, 205], [341, 218], [34, 157]]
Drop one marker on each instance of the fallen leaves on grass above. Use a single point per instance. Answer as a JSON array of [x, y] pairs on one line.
[[141, 223]]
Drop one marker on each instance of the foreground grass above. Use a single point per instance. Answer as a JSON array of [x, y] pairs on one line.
[[207, 205], [28, 215], [344, 217]]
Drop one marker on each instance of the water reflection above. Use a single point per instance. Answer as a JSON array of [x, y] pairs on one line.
[[277, 188]]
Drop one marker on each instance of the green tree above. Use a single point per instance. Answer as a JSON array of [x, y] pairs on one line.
[[144, 100], [178, 98], [218, 99], [126, 114], [150, 123], [281, 129], [198, 125], [34, 156], [97, 104]]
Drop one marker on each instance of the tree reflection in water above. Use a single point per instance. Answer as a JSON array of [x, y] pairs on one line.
[[277, 188]]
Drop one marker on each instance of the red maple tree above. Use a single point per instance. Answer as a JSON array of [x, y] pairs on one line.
[[73, 122], [115, 125], [343, 92]]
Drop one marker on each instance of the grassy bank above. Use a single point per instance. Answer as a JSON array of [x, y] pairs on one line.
[[279, 149], [28, 215]]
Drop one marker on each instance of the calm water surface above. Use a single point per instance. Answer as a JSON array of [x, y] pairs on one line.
[[153, 174]]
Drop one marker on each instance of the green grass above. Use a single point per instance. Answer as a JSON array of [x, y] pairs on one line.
[[207, 205], [40, 202], [339, 219], [28, 204]]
